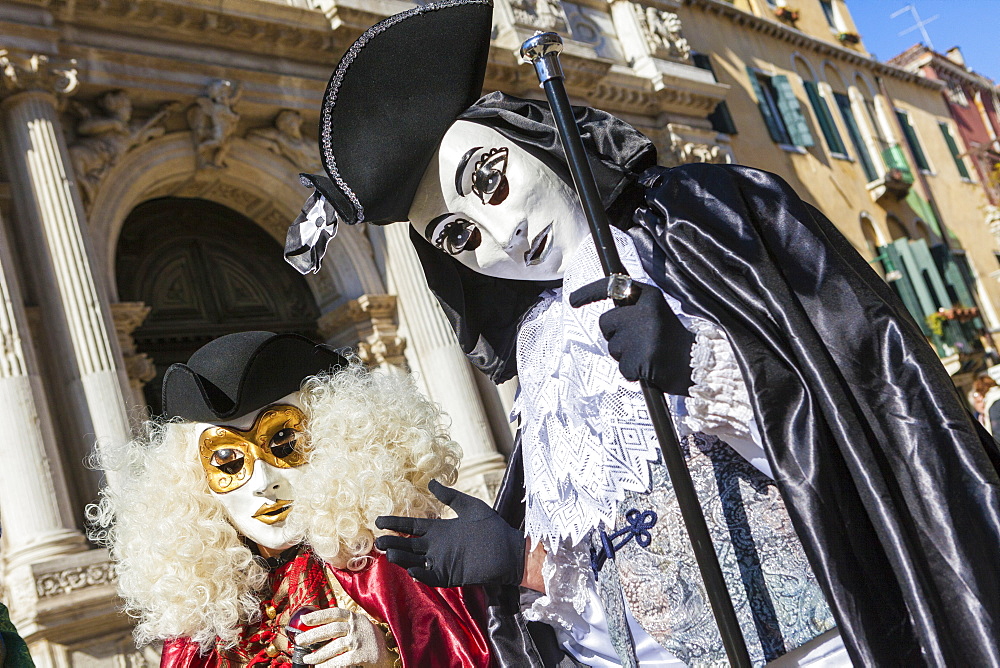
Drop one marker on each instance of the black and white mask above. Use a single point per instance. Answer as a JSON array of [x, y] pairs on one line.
[[496, 208]]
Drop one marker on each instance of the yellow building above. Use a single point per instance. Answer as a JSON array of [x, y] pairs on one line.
[[868, 144]]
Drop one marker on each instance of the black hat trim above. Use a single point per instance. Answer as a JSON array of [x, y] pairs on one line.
[[330, 97]]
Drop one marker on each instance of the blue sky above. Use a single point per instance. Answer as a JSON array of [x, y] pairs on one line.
[[973, 25]]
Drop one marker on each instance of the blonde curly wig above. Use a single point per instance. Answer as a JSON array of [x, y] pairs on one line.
[[373, 443]]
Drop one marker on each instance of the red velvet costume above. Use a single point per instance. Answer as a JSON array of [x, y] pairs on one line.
[[433, 628]]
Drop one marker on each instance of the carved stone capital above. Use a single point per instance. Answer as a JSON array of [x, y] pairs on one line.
[[20, 73], [128, 316], [368, 324]]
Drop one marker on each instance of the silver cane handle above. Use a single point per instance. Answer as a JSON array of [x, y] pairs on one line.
[[542, 50]]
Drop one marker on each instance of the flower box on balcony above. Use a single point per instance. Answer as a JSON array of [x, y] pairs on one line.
[[786, 14], [848, 37]]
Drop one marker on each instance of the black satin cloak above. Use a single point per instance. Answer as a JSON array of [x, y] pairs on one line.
[[892, 487]]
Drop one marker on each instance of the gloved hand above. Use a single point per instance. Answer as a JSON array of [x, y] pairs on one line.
[[477, 547], [351, 639], [646, 337]]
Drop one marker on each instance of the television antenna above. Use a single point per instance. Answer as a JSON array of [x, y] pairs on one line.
[[919, 24]]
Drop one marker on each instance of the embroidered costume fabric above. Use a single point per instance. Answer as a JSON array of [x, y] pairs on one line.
[[432, 628], [586, 433], [591, 462]]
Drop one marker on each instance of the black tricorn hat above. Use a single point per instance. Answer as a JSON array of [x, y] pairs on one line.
[[240, 373], [393, 96]]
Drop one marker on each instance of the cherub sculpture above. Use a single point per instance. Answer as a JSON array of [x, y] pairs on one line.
[[103, 139], [213, 120]]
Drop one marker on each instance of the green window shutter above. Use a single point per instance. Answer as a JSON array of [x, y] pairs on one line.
[[774, 127], [791, 113], [894, 158], [904, 285], [913, 141], [847, 113], [826, 124], [955, 153]]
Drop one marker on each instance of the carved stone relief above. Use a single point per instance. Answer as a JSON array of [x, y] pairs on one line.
[[284, 138], [36, 72], [213, 120], [368, 325], [539, 14], [72, 579], [689, 144], [104, 137], [662, 31]]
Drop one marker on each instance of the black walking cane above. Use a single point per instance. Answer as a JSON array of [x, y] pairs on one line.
[[542, 51]]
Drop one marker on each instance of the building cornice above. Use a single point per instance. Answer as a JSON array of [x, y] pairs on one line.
[[239, 25], [801, 40], [919, 56]]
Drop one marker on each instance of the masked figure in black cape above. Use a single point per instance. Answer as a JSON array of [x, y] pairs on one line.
[[787, 360]]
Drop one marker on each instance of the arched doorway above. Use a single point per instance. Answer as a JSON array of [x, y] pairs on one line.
[[205, 270]]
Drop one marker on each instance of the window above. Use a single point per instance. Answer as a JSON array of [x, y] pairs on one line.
[[955, 154], [780, 109], [912, 140], [826, 124], [844, 103], [720, 118], [830, 13]]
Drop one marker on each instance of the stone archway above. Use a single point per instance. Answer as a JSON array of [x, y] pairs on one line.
[[204, 270]]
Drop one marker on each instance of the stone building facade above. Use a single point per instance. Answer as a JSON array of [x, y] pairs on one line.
[[150, 151]]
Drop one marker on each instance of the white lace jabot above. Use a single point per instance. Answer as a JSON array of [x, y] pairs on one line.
[[585, 431]]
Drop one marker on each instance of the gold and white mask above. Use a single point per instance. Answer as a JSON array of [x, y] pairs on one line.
[[252, 466]]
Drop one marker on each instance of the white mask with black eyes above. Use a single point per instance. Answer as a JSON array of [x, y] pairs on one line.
[[496, 208]]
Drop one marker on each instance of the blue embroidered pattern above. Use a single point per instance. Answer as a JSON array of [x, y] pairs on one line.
[[637, 526]]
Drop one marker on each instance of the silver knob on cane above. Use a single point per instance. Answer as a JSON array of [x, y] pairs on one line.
[[542, 50]]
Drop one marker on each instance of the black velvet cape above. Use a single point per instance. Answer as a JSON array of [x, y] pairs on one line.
[[890, 483]]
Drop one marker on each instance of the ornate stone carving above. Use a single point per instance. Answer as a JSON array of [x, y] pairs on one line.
[[993, 221], [139, 367], [285, 139], [368, 324], [662, 31], [689, 144], [213, 119], [36, 72], [539, 14], [72, 579], [103, 138]]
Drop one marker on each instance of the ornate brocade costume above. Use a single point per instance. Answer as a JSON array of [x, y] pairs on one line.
[[425, 626], [593, 468]]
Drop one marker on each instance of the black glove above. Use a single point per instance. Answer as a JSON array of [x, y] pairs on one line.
[[646, 337], [477, 547]]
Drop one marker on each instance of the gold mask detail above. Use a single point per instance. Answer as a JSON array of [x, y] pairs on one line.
[[228, 454]]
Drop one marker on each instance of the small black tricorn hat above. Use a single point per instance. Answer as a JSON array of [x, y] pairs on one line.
[[237, 374], [393, 96]]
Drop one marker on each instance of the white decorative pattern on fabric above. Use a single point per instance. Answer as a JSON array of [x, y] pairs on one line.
[[719, 403], [586, 434], [568, 582]]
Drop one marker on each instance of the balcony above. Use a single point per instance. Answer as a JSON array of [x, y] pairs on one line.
[[898, 177]]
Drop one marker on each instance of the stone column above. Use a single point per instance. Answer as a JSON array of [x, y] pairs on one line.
[[49, 218], [446, 372], [38, 521]]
